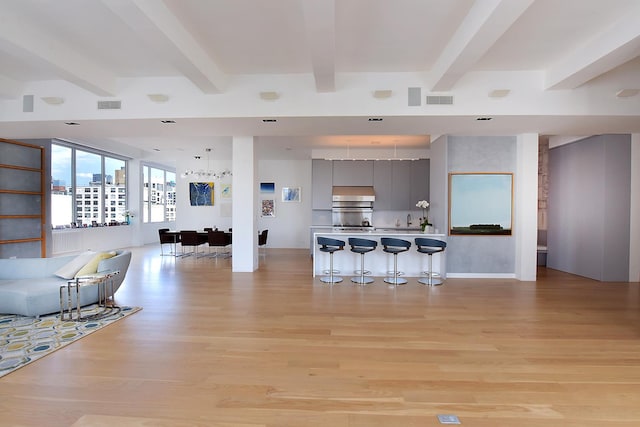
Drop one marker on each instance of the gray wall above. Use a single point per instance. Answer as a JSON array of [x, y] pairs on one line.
[[589, 205], [481, 254]]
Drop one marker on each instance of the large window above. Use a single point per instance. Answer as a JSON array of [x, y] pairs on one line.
[[88, 187], [158, 194]]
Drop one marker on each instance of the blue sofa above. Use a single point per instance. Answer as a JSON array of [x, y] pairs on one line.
[[29, 287]]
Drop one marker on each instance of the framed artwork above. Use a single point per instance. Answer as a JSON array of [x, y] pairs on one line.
[[268, 187], [201, 193], [225, 191], [268, 208], [481, 204], [291, 194]]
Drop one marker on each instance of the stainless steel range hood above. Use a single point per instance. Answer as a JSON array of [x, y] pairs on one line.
[[353, 194]]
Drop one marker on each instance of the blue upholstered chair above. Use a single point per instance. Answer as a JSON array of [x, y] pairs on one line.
[[395, 246]]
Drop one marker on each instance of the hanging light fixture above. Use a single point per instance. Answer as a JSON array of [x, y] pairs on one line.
[[208, 173]]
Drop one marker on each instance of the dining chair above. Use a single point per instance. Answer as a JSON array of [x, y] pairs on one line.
[[191, 238], [218, 239], [168, 238], [262, 241]]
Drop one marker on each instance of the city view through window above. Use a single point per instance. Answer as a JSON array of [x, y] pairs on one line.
[[94, 193], [89, 189]]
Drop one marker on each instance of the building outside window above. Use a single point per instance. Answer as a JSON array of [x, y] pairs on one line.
[[95, 178], [159, 194]]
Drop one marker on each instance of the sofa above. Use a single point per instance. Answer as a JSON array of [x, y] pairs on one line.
[[31, 286]]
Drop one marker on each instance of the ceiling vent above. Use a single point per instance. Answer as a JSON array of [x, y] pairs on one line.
[[109, 105], [439, 100]]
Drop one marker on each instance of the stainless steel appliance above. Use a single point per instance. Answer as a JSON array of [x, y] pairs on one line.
[[352, 207]]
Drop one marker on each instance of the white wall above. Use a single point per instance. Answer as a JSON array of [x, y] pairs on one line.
[[290, 226]]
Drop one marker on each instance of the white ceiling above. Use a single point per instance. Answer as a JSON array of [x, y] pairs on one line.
[[563, 62]]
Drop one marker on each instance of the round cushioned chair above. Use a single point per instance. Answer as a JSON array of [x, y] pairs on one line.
[[362, 246], [330, 246], [395, 246], [430, 247]]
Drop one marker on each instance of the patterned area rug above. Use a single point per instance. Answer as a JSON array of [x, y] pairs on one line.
[[26, 339]]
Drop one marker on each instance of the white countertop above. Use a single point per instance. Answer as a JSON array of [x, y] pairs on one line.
[[380, 232]]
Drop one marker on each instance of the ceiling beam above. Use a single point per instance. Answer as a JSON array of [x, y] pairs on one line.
[[163, 31], [320, 23], [67, 63], [485, 23], [620, 43]]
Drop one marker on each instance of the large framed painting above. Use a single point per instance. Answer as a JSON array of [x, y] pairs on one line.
[[201, 193], [481, 204]]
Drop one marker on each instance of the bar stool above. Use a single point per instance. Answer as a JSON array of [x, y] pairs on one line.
[[430, 247], [330, 246], [395, 246], [362, 246]]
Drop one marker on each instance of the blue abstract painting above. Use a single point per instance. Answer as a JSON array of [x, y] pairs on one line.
[[201, 193]]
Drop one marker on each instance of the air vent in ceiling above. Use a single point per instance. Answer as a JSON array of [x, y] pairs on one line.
[[109, 105], [439, 100]]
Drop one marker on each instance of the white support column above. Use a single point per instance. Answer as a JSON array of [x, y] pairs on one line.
[[245, 205], [634, 232], [526, 207]]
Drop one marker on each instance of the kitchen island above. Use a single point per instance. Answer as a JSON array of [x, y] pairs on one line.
[[411, 262]]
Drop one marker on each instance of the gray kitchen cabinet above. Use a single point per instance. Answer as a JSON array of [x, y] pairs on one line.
[[382, 185], [321, 182], [353, 172], [420, 170], [401, 185]]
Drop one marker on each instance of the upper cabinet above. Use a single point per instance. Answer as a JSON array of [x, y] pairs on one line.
[[399, 184], [353, 172], [420, 172], [382, 186], [321, 182]]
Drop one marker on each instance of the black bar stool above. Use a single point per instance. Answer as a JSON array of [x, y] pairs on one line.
[[430, 247], [362, 246], [395, 246], [330, 246]]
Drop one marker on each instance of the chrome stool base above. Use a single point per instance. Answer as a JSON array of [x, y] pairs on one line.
[[330, 279], [362, 280], [436, 280], [395, 281]]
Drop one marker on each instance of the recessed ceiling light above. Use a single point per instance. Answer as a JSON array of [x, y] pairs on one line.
[[53, 100], [72, 123], [375, 119], [499, 93], [484, 119], [382, 94], [269, 120], [269, 95], [626, 93], [158, 97], [168, 121]]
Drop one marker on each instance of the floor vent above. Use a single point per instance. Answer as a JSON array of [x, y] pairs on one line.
[[439, 100], [109, 105]]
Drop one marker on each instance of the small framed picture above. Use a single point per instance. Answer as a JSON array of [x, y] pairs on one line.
[[291, 194], [225, 191], [267, 187], [268, 208]]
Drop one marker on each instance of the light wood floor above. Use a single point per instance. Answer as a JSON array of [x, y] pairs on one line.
[[277, 348]]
